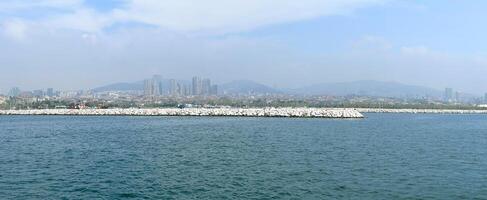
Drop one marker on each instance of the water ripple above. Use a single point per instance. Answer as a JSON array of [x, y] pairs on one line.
[[385, 156]]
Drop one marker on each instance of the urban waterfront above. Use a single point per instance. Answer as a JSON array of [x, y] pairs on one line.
[[383, 156]]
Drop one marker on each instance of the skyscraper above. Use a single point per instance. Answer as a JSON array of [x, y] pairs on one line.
[[179, 89], [174, 87], [185, 90], [153, 87], [157, 85], [214, 90], [457, 97], [14, 92], [196, 86], [50, 92], [206, 87], [148, 87], [448, 96], [485, 98]]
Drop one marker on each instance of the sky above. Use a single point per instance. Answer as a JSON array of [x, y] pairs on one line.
[[82, 44]]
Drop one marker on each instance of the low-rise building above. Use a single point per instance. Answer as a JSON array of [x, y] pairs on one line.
[[3, 99]]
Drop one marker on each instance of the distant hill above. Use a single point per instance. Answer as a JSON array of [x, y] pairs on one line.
[[234, 87], [368, 88], [134, 86], [246, 87]]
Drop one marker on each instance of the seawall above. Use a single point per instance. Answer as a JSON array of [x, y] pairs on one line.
[[420, 111], [231, 112]]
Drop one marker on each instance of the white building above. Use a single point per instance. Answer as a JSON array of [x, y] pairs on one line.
[[3, 99]]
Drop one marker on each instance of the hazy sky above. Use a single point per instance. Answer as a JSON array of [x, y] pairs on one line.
[[79, 44]]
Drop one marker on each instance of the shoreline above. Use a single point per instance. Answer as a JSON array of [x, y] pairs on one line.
[[237, 112], [343, 113], [420, 111]]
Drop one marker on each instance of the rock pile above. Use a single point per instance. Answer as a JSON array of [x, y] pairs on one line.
[[237, 112], [420, 111]]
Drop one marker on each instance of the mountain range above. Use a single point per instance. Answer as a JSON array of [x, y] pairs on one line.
[[368, 88], [362, 88]]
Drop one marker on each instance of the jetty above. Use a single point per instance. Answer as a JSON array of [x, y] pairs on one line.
[[420, 111], [229, 112]]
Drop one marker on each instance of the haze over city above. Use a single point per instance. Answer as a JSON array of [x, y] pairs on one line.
[[83, 44]]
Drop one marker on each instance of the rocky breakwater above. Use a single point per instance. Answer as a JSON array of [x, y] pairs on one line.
[[231, 112], [420, 111]]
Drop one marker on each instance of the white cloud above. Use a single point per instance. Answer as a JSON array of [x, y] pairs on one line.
[[481, 58], [209, 16], [90, 38], [424, 52], [230, 16], [73, 61], [15, 29], [416, 50], [83, 19], [12, 6], [372, 43]]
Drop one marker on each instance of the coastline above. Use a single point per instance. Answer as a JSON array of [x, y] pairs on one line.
[[224, 112], [237, 112], [420, 111]]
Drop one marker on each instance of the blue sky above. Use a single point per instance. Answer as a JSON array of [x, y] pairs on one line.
[[78, 44], [104, 5]]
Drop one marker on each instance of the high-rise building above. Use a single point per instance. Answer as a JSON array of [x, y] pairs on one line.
[[148, 87], [153, 87], [50, 92], [206, 87], [185, 90], [174, 88], [157, 85], [14, 92], [214, 90], [196, 86], [182, 89], [458, 97], [485, 98], [448, 96]]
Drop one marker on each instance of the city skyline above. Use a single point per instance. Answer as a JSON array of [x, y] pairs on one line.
[[173, 87], [181, 83], [80, 44], [157, 86]]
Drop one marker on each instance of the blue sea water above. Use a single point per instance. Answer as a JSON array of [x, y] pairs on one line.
[[384, 156]]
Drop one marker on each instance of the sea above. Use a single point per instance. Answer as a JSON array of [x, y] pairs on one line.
[[383, 156]]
